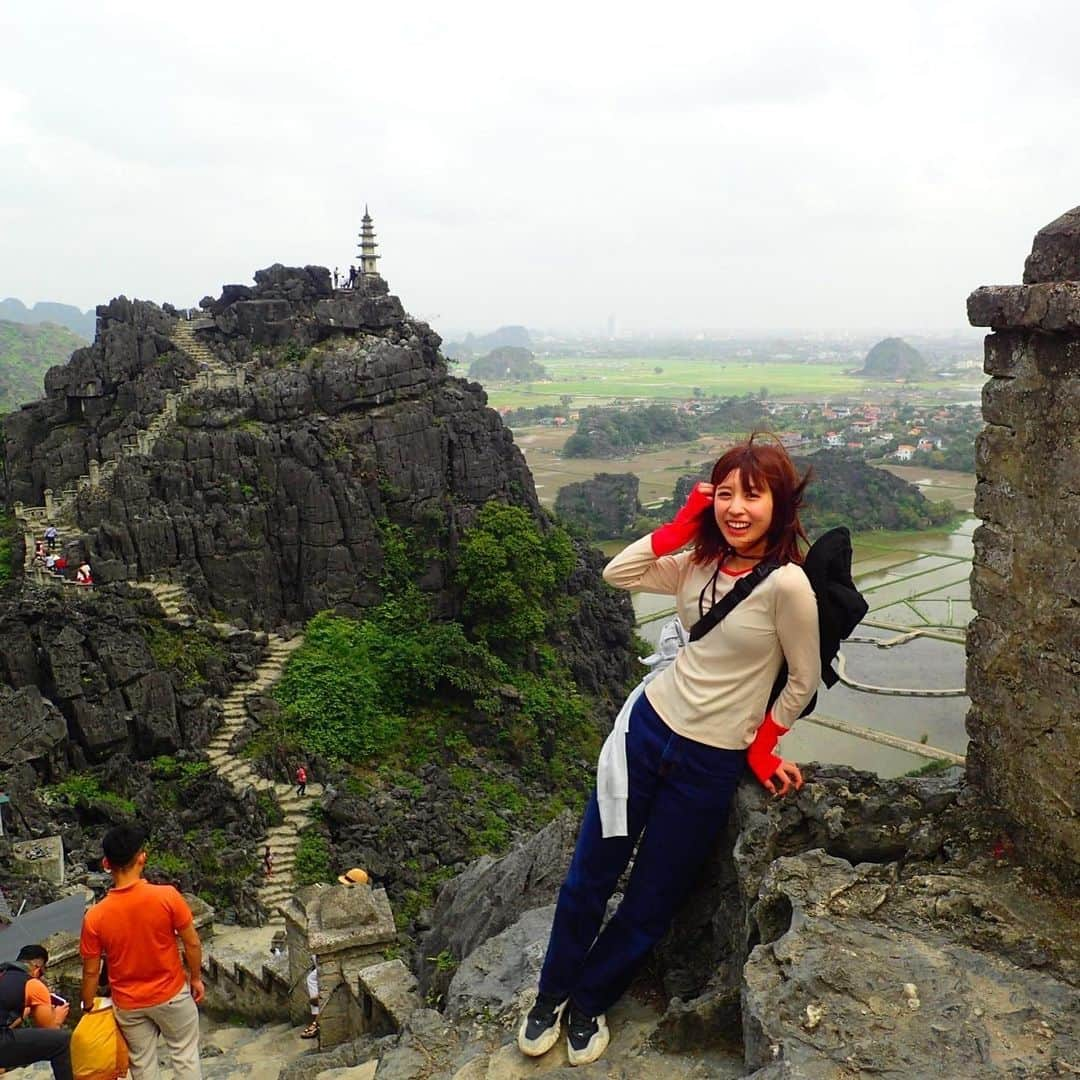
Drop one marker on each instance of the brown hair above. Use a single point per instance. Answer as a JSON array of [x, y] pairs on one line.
[[762, 461]]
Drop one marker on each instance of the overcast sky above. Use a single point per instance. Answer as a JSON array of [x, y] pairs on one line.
[[764, 165]]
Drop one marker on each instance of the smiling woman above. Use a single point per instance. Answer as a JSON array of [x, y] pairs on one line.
[[686, 734]]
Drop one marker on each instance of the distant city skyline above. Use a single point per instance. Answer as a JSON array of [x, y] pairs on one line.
[[845, 165]]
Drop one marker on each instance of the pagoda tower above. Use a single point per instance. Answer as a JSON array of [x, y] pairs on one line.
[[367, 246]]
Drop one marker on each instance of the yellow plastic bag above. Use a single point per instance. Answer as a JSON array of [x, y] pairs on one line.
[[98, 1050]]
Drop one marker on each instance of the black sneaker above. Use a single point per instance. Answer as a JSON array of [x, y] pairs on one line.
[[586, 1036], [539, 1031]]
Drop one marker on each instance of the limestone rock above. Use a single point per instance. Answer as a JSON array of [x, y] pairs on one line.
[[495, 978], [492, 894], [607, 505], [850, 987], [1055, 253], [33, 728]]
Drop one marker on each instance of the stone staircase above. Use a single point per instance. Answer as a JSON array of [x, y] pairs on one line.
[[61, 508], [284, 839]]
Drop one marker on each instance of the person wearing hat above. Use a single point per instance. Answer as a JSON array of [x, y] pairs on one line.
[[355, 876]]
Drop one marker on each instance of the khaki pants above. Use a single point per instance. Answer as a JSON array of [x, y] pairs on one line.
[[177, 1020]]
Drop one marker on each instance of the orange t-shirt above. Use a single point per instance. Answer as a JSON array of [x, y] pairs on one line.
[[135, 927], [36, 993]]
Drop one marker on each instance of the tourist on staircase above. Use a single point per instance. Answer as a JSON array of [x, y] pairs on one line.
[[83, 575], [136, 927], [51, 536], [301, 781]]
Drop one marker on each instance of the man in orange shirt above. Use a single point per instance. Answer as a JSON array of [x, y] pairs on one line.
[[24, 996], [136, 928]]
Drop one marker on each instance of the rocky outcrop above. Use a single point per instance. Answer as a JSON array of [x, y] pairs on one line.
[[605, 507], [106, 393], [893, 358], [1024, 643], [860, 926], [268, 495], [868, 970], [492, 894], [80, 682]]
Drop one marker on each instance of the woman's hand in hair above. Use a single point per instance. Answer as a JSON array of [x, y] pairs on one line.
[[789, 777], [683, 528]]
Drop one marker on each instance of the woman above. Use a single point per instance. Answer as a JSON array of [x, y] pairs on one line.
[[692, 732]]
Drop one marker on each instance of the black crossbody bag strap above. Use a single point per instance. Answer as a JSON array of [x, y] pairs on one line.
[[739, 592]]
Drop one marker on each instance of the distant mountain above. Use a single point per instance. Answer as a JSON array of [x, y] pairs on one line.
[[26, 353], [894, 358], [82, 323], [516, 337], [507, 363]]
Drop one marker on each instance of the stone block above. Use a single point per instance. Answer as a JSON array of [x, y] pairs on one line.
[[1055, 251], [994, 550], [388, 992], [42, 858]]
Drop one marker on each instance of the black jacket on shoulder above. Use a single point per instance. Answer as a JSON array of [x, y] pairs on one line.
[[840, 605]]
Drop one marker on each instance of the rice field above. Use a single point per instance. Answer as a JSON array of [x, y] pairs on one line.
[[597, 381]]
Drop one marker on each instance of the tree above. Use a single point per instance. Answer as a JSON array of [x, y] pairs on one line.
[[565, 399], [510, 575]]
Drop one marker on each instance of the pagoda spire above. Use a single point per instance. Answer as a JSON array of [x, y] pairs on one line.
[[367, 254]]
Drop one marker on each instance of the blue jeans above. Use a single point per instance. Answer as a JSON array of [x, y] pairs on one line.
[[680, 791]]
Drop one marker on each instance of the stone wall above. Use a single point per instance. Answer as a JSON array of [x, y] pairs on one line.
[[1024, 644]]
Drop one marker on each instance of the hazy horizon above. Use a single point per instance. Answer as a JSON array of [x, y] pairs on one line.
[[840, 166]]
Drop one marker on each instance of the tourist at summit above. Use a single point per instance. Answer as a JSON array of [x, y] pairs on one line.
[[24, 1001], [335, 277], [686, 734], [136, 928]]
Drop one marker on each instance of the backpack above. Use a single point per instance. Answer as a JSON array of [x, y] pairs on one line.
[[841, 607], [13, 980]]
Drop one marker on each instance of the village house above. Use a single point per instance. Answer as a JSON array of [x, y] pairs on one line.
[[904, 452]]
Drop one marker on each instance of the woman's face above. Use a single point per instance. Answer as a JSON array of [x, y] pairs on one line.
[[743, 514]]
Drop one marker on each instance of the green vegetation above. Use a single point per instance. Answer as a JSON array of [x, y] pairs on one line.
[[84, 789], [26, 353], [488, 697], [601, 380], [164, 767], [186, 652], [8, 533], [312, 859], [512, 577], [613, 432], [847, 491], [894, 358], [508, 363]]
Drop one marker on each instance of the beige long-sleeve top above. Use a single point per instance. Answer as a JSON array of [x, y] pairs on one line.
[[717, 690]]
